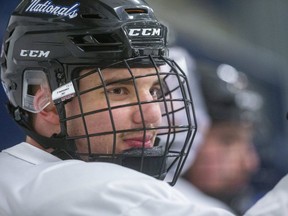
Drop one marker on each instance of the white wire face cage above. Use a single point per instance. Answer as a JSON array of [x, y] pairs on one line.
[[139, 117]]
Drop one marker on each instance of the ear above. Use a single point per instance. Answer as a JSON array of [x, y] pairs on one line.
[[49, 113]]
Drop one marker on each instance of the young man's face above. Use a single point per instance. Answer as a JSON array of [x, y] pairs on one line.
[[124, 118], [226, 159]]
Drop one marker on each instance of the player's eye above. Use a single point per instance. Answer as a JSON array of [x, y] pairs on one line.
[[156, 92], [118, 91], [159, 90]]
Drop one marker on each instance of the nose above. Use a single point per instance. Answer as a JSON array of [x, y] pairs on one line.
[[251, 159], [147, 112]]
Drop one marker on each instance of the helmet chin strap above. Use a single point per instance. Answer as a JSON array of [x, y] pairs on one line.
[[63, 148], [152, 161]]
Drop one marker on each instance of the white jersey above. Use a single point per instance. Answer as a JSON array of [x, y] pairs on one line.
[[34, 182], [274, 203], [198, 197]]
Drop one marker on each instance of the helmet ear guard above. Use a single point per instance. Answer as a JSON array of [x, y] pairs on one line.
[[36, 91]]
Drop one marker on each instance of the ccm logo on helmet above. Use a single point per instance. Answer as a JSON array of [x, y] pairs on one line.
[[144, 32], [35, 53]]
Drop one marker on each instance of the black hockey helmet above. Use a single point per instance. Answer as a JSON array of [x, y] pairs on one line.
[[48, 42]]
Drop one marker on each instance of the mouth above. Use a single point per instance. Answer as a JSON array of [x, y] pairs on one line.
[[139, 141]]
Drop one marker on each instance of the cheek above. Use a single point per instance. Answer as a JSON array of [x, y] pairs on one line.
[[100, 128], [104, 122], [214, 162], [101, 123], [90, 127]]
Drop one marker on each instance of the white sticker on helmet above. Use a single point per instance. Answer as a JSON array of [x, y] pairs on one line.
[[63, 93]]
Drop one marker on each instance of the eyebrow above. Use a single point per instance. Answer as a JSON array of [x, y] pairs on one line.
[[128, 81]]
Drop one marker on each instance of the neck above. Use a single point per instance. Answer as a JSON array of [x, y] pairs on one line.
[[34, 143]]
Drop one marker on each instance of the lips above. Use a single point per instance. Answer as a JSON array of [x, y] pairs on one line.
[[140, 141]]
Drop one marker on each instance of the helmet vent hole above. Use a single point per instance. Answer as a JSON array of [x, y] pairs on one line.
[[104, 38], [92, 16], [136, 10], [6, 47], [94, 39], [97, 42]]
